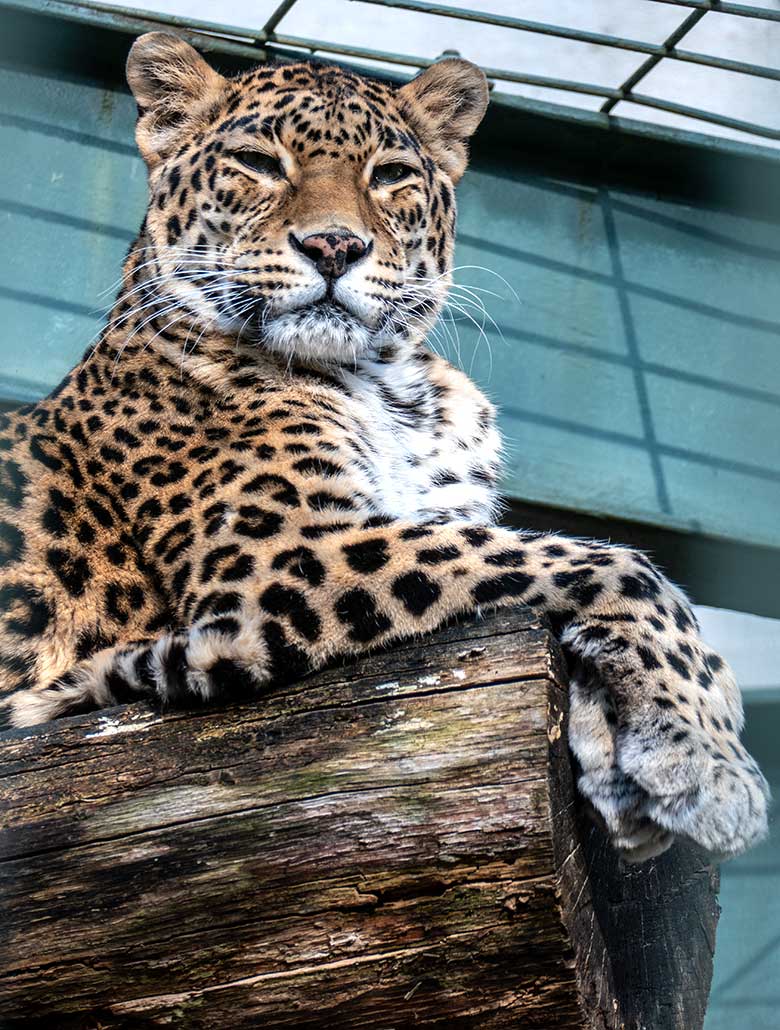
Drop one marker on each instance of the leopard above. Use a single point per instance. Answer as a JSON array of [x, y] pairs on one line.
[[262, 465]]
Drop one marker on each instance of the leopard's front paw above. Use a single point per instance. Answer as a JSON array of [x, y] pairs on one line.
[[616, 801], [699, 784], [674, 738]]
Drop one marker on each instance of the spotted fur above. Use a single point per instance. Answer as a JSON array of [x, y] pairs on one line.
[[262, 466]]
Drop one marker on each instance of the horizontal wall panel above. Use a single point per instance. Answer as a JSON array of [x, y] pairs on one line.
[[639, 370], [546, 450], [72, 193]]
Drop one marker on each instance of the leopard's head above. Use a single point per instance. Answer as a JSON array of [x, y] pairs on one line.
[[302, 206]]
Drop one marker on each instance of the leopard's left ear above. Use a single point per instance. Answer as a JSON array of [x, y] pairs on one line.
[[172, 84], [444, 104]]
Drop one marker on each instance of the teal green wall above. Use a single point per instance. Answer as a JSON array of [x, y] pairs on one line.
[[72, 194], [639, 370]]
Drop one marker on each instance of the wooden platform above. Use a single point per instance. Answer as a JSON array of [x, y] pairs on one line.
[[394, 843]]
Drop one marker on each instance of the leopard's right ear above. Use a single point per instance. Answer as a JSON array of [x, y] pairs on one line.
[[172, 85]]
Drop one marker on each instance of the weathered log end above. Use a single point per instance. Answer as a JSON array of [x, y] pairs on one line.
[[393, 843]]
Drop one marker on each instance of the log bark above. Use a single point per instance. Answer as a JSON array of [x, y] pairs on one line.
[[393, 843]]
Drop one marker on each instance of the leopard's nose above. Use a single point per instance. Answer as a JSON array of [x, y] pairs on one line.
[[332, 252]]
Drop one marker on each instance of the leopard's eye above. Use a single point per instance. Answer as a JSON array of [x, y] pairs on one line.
[[263, 163], [387, 175]]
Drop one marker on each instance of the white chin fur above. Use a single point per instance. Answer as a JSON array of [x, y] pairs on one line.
[[315, 335]]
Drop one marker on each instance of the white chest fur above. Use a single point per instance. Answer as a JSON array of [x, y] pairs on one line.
[[430, 447]]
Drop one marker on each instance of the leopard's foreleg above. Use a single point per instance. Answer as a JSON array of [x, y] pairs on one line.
[[655, 716]]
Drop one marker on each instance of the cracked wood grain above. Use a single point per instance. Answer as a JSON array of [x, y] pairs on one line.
[[391, 843]]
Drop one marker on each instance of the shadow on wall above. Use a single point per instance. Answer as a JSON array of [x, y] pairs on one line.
[[638, 369]]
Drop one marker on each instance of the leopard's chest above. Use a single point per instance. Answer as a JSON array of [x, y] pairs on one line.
[[420, 458]]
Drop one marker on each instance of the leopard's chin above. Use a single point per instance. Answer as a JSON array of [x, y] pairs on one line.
[[322, 333]]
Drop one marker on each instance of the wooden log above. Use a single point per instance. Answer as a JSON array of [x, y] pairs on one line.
[[392, 843]]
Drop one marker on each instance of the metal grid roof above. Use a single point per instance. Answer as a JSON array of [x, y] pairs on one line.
[[271, 38]]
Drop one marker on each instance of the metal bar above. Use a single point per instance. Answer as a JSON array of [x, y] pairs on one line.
[[138, 24], [704, 116], [546, 81], [65, 7], [725, 64], [738, 10], [658, 51], [669, 43], [314, 46], [277, 16], [522, 24]]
